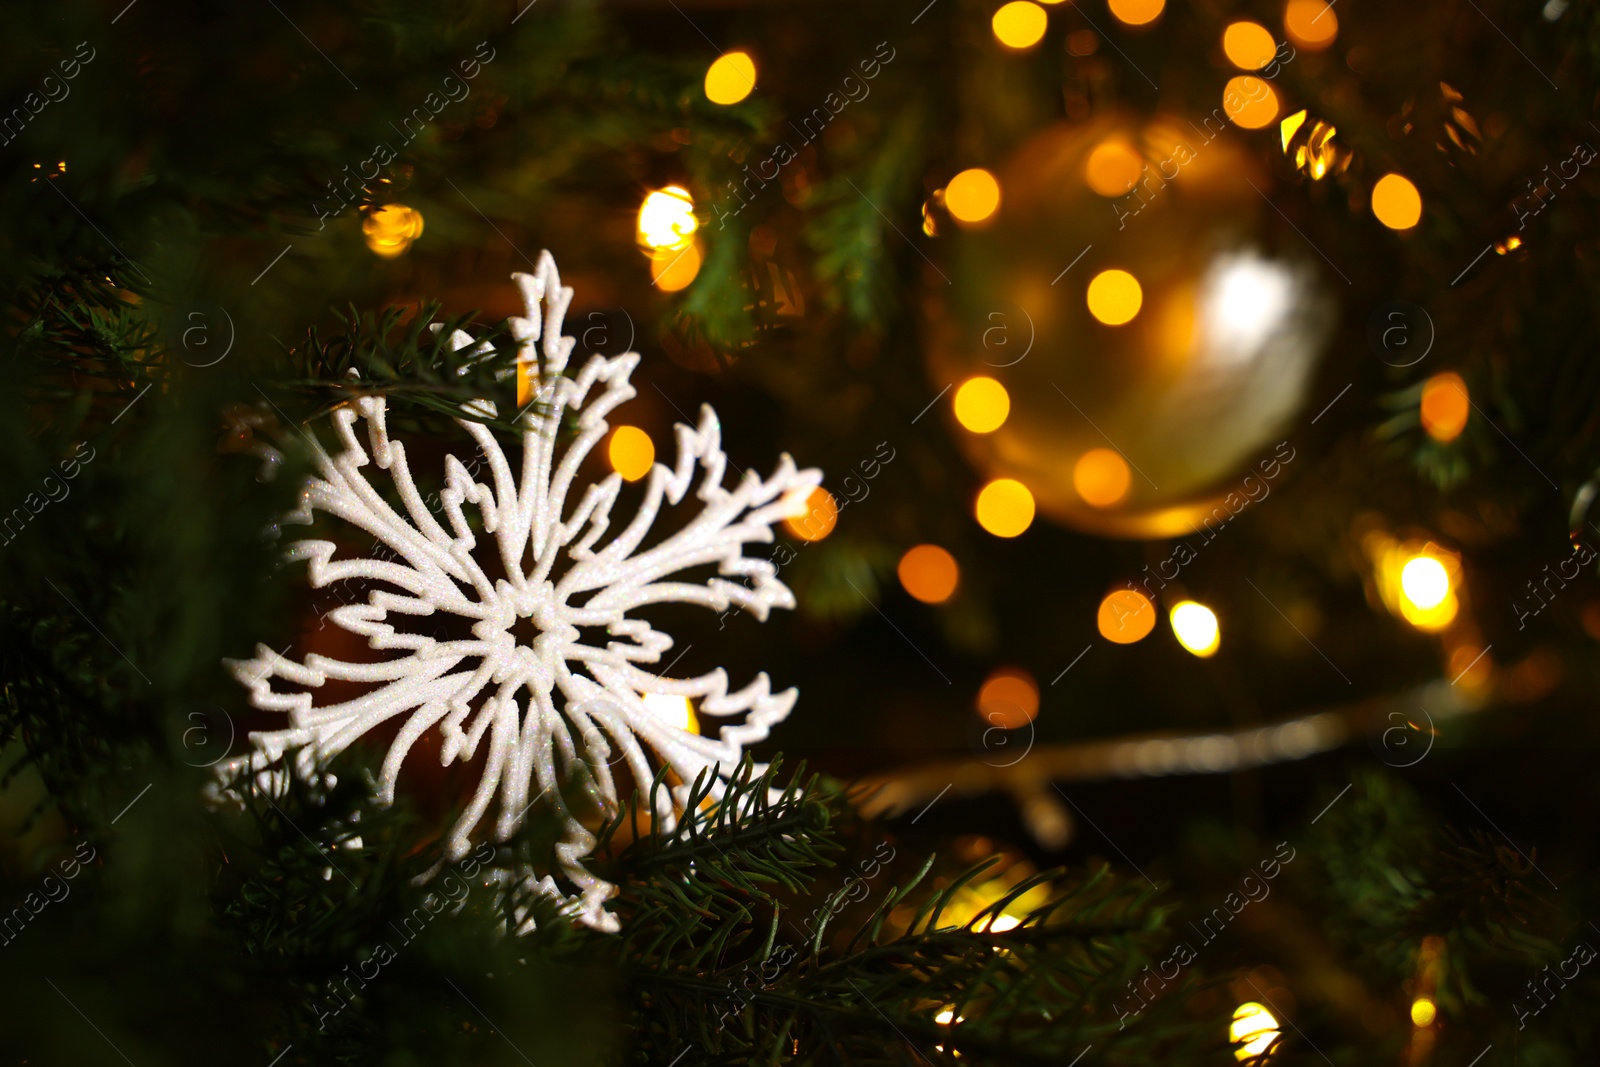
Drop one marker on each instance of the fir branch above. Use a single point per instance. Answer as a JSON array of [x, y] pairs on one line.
[[702, 909], [411, 361]]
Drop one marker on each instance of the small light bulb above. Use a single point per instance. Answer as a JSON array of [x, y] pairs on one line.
[[1005, 507], [731, 78], [1396, 202], [1253, 1031], [822, 514], [391, 229], [972, 196], [929, 573], [982, 404], [666, 219], [1019, 24], [674, 710], [631, 452], [1125, 616], [1425, 582], [1114, 297], [1195, 626]]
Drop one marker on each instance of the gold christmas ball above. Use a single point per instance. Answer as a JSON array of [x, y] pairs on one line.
[[1131, 333]]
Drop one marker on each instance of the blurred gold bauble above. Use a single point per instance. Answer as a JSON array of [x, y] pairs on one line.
[[1154, 345]]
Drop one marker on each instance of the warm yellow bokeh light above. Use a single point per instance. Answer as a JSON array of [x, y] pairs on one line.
[[1250, 102], [1289, 125], [929, 573], [1310, 24], [731, 78], [822, 514], [1125, 616], [982, 405], [972, 196], [675, 710], [391, 228], [1136, 12], [1248, 45], [673, 270], [1445, 406], [1253, 1031], [1396, 202], [1009, 698], [1423, 1012], [1020, 24], [666, 219], [1417, 580], [1113, 168], [527, 381], [1426, 597], [1431, 619], [1195, 626], [1115, 297], [631, 452], [1101, 477], [1005, 507], [1425, 582]]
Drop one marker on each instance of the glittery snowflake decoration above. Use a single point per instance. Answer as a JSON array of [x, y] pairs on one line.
[[555, 710]]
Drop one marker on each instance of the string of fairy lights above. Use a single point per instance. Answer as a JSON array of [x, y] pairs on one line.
[[1416, 579]]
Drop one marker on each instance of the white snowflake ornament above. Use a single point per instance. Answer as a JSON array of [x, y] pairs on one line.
[[545, 705]]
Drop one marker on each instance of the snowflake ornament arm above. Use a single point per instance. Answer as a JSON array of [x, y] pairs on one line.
[[548, 705]]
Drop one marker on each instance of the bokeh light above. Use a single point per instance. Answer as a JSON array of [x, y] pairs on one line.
[[1005, 507], [1396, 202], [982, 405], [1423, 1012], [1250, 102], [1445, 406], [527, 381], [929, 573], [972, 196], [1125, 616], [631, 452], [1417, 579], [1425, 582], [822, 514], [672, 270], [1101, 477], [1113, 168], [1253, 1032], [391, 229], [1020, 24], [1136, 12], [1114, 297], [1196, 628], [1009, 698], [730, 78], [1248, 45], [666, 219], [675, 710], [1310, 24]]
